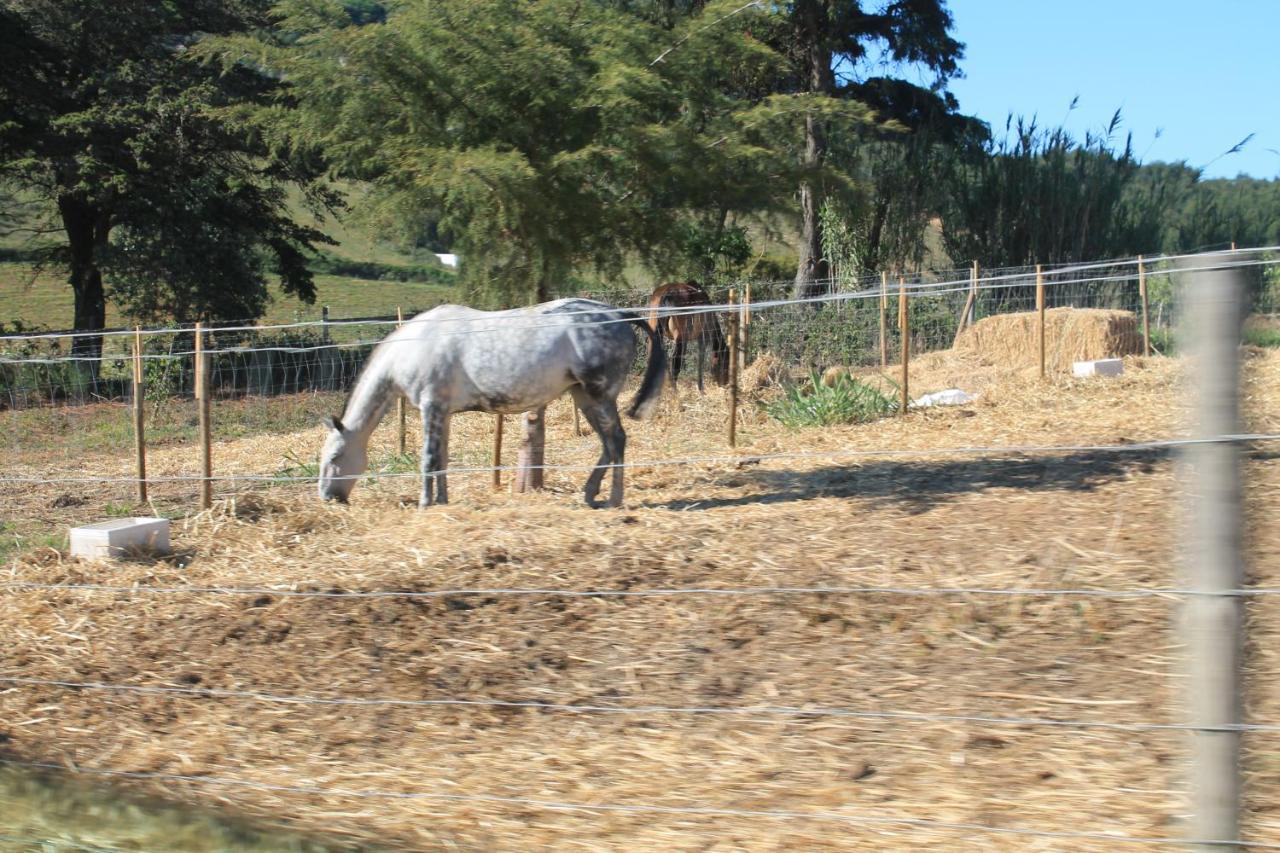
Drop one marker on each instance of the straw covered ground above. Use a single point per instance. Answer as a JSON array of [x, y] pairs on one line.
[[477, 776]]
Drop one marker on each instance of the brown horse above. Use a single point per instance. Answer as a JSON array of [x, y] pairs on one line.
[[702, 328]]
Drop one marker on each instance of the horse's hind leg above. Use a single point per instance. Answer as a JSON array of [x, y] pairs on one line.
[[677, 359], [602, 414], [702, 357]]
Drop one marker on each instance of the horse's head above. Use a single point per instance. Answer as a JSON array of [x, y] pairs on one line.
[[342, 460]]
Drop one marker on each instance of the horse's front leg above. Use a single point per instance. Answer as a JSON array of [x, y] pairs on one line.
[[434, 432], [442, 459]]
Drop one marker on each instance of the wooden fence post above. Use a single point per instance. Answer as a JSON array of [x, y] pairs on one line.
[[400, 402], [529, 473], [497, 452], [745, 330], [970, 305], [139, 419], [733, 369], [202, 414], [973, 289], [884, 320], [904, 325], [1146, 308], [1040, 312]]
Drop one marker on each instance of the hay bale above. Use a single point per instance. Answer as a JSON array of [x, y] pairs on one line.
[[1071, 335], [834, 375], [767, 370]]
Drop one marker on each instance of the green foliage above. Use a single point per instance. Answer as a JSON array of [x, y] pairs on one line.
[[26, 380], [295, 467], [1174, 210], [111, 123], [162, 378], [111, 509], [893, 173], [539, 139], [1268, 300], [1039, 196], [845, 400], [330, 264], [844, 242], [1260, 335]]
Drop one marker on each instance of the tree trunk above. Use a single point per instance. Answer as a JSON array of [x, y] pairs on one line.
[[875, 235], [813, 269], [87, 229]]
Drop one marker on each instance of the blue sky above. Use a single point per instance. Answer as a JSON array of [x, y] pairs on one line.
[[1205, 75]]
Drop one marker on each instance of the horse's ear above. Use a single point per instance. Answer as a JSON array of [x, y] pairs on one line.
[[333, 423]]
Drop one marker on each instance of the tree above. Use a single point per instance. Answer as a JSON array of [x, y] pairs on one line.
[[825, 35], [540, 137], [107, 118], [893, 169], [1039, 196]]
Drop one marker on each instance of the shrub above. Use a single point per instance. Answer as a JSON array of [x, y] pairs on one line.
[[845, 400]]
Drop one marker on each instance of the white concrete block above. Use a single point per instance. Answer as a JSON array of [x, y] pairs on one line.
[[1101, 367], [111, 538]]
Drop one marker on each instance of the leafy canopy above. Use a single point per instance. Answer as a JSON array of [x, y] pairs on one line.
[[110, 121], [542, 137]]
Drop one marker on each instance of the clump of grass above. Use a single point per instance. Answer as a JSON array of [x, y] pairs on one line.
[[398, 463], [295, 467], [841, 400], [1260, 335]]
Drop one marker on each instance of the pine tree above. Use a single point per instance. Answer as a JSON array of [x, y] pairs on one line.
[[108, 119], [545, 137]]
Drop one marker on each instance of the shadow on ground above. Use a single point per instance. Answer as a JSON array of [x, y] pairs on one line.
[[915, 486]]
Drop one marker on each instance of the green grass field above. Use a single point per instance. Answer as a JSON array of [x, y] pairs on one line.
[[44, 299]]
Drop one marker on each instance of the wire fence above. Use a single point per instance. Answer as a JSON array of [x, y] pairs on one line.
[[840, 326], [317, 363]]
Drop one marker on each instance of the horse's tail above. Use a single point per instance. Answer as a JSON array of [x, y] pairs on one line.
[[651, 387]]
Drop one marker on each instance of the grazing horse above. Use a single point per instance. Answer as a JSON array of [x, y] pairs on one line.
[[702, 327], [457, 359]]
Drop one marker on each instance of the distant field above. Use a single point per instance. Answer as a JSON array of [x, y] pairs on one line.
[[46, 300]]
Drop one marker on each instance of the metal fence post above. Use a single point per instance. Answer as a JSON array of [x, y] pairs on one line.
[[1214, 625], [204, 425], [139, 415]]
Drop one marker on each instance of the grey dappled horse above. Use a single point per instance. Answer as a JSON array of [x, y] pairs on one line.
[[457, 359]]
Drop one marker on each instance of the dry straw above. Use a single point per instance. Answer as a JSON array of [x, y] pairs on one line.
[[1084, 520], [1071, 334]]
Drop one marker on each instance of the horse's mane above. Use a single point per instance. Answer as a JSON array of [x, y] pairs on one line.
[[678, 294]]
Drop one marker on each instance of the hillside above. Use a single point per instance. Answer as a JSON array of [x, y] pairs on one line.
[[362, 275]]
